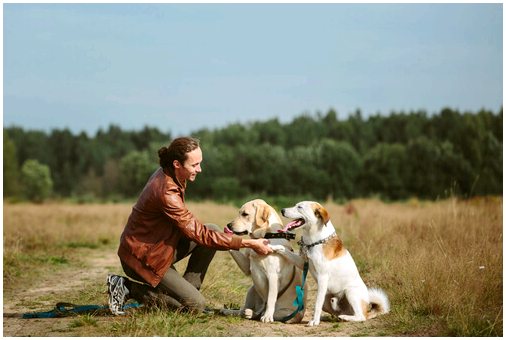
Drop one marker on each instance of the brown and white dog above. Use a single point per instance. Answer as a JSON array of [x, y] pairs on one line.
[[271, 298], [341, 290]]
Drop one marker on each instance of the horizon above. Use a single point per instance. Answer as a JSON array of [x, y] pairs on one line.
[[247, 123]]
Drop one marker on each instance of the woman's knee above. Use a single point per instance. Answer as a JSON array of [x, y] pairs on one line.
[[161, 298], [195, 303], [174, 285]]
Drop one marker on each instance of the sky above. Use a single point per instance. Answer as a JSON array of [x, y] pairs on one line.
[[184, 67]]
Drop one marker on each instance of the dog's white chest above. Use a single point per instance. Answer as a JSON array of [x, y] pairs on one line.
[[318, 261], [264, 269], [265, 264]]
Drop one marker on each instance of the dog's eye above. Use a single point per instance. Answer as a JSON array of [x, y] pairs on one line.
[[244, 214]]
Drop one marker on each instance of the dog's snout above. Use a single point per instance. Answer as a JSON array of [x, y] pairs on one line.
[[283, 211], [229, 225]]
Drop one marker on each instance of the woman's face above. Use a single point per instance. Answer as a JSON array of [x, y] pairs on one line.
[[191, 166]]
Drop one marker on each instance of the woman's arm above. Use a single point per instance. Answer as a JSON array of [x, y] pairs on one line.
[[260, 245]]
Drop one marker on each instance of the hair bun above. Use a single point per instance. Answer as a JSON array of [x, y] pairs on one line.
[[162, 151]]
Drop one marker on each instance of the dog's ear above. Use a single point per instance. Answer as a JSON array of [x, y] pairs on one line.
[[262, 214], [322, 213]]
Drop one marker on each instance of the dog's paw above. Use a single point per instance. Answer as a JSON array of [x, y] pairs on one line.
[[351, 317], [279, 249], [334, 303], [267, 318], [247, 313], [313, 323]]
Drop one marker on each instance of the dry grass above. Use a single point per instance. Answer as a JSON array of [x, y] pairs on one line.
[[439, 262], [38, 235]]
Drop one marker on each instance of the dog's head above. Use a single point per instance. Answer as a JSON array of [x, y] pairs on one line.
[[253, 217], [306, 214]]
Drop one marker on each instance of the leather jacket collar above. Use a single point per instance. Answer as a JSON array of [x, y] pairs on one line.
[[170, 172]]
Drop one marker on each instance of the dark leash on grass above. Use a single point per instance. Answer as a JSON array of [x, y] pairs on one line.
[[64, 309]]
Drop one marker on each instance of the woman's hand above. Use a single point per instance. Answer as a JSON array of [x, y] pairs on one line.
[[260, 246]]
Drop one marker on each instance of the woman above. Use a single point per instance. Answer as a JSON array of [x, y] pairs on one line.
[[161, 231]]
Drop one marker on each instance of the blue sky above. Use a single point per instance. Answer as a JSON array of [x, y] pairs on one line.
[[182, 67]]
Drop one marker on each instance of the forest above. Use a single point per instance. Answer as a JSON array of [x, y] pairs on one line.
[[315, 156]]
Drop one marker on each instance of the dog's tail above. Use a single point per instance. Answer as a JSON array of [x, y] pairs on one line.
[[379, 302]]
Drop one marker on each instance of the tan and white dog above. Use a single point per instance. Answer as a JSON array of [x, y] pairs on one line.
[[271, 298], [341, 291]]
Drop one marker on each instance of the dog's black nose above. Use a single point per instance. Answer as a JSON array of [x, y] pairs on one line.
[[283, 211], [229, 225]]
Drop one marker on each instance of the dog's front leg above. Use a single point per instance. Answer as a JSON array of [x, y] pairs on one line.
[[242, 260], [297, 260], [322, 283], [272, 295]]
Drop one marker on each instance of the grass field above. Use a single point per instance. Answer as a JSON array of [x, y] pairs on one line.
[[439, 262]]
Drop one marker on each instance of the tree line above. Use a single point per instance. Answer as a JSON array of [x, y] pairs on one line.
[[314, 156]]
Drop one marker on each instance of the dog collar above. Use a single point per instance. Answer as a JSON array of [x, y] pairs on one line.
[[305, 247], [286, 236]]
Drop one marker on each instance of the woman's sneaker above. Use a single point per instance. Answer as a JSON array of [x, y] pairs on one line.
[[117, 293]]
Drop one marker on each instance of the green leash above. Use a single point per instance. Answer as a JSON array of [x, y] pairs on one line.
[[299, 299]]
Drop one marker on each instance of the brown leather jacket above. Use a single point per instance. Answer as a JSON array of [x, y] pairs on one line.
[[157, 222]]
